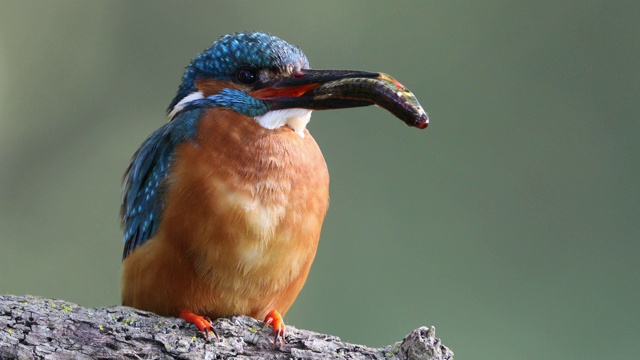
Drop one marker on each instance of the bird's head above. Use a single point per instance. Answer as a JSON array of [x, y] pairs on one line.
[[266, 78]]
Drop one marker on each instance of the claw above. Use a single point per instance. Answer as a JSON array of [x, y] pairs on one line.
[[274, 319], [202, 323]]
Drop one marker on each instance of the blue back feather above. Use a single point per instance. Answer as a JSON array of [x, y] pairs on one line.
[[145, 179]]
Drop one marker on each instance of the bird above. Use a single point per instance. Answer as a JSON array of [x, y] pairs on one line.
[[222, 206]]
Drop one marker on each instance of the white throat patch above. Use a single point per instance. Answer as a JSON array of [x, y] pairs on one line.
[[297, 119]]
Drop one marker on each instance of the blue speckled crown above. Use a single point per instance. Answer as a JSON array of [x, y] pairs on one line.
[[223, 58]]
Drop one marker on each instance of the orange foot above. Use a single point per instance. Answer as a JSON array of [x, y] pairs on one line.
[[274, 319], [202, 323]]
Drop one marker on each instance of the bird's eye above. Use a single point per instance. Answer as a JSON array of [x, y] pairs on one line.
[[246, 76]]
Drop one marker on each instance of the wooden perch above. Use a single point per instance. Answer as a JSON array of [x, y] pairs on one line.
[[33, 327]]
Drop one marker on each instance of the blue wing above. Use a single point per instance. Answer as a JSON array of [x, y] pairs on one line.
[[145, 182]]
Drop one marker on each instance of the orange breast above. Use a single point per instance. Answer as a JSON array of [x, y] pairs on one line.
[[243, 216]]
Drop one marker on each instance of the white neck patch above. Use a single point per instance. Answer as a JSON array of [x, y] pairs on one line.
[[297, 119], [182, 103]]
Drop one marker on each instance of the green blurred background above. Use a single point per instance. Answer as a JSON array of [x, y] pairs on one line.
[[511, 224]]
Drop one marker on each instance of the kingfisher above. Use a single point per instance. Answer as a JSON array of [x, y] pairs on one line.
[[222, 207]]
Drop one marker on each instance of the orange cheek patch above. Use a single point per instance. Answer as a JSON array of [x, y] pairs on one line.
[[210, 87]]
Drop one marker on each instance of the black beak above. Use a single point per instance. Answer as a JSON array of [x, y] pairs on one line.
[[338, 89]]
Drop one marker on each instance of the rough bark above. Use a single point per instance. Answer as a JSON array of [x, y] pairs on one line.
[[36, 327]]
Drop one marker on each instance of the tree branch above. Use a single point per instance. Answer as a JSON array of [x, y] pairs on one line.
[[37, 327]]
